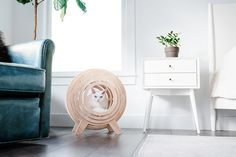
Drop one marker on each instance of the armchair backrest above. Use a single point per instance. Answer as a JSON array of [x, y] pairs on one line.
[[31, 53]]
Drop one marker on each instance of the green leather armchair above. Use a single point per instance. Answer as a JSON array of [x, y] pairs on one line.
[[25, 91]]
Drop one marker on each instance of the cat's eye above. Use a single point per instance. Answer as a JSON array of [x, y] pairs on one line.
[[95, 96], [100, 96]]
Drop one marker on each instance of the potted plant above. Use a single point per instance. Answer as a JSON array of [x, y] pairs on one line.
[[171, 41], [59, 5]]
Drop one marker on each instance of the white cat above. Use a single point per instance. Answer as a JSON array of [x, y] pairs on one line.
[[98, 100]]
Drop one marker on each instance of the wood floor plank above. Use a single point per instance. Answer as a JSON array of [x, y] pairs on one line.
[[92, 143], [119, 146]]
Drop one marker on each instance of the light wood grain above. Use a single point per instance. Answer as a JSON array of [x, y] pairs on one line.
[[77, 101]]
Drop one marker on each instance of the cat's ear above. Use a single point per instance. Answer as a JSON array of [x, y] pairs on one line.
[[93, 90]]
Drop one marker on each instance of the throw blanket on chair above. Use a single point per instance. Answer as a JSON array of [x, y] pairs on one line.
[[224, 84]]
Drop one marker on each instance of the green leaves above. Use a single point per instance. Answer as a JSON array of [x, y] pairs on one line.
[[63, 12], [24, 1], [81, 5], [171, 39], [59, 4], [62, 5]]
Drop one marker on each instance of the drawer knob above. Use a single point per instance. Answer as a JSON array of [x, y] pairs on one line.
[[170, 79], [170, 66]]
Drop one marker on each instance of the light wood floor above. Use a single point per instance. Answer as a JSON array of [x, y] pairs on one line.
[[62, 143]]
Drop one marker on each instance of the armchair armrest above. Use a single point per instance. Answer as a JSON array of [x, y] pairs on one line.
[[33, 53]]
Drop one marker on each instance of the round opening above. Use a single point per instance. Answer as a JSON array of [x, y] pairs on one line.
[[97, 98]]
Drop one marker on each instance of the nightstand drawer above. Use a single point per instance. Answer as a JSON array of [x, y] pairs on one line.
[[170, 80], [170, 65]]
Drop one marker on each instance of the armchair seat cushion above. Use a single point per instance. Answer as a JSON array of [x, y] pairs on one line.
[[21, 78]]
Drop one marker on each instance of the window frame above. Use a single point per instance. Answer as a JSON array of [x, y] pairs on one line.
[[128, 54]]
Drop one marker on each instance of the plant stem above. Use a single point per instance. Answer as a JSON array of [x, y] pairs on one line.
[[40, 1], [35, 18]]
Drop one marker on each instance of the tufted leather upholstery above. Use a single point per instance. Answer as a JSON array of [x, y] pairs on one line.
[[25, 91]]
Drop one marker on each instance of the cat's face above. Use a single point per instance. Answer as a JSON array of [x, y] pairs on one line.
[[97, 95]]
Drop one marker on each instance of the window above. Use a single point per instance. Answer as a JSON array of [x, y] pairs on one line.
[[101, 38]]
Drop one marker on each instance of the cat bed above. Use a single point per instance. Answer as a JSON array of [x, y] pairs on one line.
[[96, 99]]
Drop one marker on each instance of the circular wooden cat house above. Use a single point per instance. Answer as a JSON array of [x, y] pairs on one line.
[[90, 85]]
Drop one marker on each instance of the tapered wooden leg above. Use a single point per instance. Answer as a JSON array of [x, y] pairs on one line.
[[74, 128], [147, 113], [109, 129], [213, 120], [114, 126], [213, 115], [194, 108], [80, 127]]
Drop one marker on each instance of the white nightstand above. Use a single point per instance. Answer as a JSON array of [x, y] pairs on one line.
[[171, 76]]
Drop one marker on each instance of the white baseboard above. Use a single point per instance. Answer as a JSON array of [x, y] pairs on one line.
[[135, 121], [184, 122]]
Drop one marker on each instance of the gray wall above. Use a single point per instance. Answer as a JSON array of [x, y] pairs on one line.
[[23, 21], [6, 19], [16, 21]]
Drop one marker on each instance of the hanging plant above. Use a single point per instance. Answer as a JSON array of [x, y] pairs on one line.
[[59, 5]]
